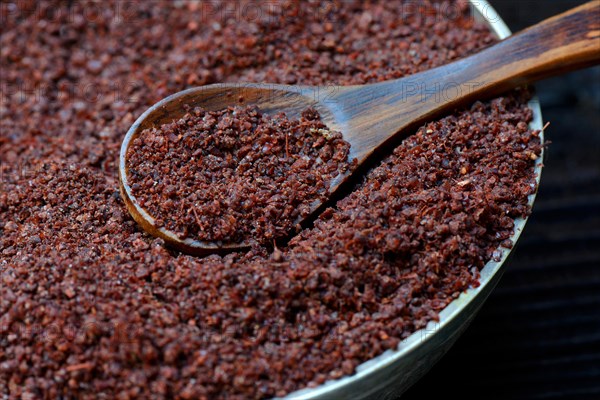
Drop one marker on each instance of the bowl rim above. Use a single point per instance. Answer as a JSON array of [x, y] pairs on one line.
[[482, 11]]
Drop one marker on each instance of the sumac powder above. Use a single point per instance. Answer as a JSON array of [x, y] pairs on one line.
[[235, 175], [93, 308]]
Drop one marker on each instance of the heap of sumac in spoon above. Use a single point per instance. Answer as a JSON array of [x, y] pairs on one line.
[[235, 175]]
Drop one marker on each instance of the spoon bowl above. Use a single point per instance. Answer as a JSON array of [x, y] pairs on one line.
[[269, 98]]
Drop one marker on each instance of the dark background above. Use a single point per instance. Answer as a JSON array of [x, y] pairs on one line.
[[538, 335]]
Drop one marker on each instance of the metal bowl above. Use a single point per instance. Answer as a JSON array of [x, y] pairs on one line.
[[390, 374]]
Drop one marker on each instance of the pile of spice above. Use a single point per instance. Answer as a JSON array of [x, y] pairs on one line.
[[235, 175], [93, 308]]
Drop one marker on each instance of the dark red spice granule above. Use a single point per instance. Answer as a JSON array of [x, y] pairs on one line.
[[93, 308], [235, 175]]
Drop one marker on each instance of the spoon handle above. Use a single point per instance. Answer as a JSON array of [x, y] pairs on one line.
[[559, 44]]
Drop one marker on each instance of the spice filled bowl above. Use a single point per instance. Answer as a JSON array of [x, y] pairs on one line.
[[226, 130], [364, 302], [193, 162]]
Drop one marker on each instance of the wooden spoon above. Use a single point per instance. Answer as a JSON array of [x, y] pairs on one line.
[[371, 116]]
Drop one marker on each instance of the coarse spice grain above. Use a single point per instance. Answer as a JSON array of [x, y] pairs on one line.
[[235, 175], [93, 308]]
